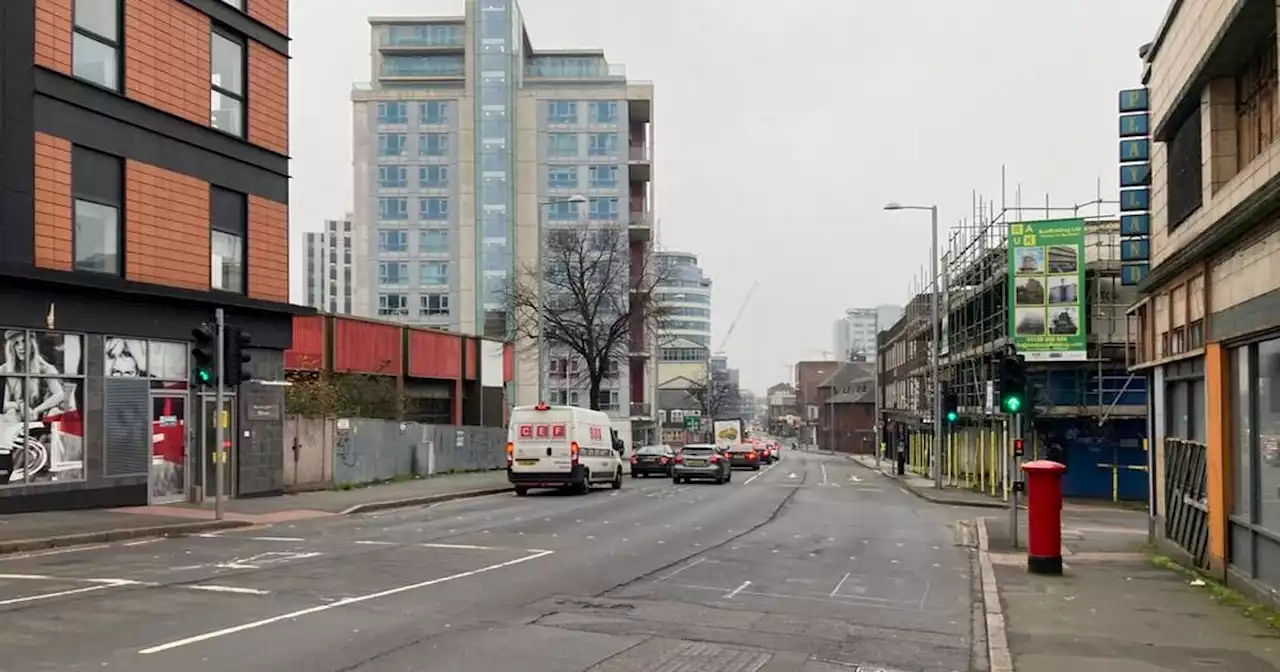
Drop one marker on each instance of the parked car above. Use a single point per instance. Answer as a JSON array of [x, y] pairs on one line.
[[701, 461], [745, 456], [650, 460]]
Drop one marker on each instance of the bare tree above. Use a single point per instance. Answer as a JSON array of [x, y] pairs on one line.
[[716, 397], [590, 298]]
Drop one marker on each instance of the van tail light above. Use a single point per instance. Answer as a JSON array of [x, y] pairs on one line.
[[679, 459], [511, 454], [573, 452]]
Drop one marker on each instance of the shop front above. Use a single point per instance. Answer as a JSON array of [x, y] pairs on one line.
[[1253, 539]]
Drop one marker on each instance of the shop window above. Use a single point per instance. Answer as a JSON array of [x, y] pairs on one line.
[[41, 397], [1267, 457], [1243, 434]]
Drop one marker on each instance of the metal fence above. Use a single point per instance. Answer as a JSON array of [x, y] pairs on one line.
[[1186, 503]]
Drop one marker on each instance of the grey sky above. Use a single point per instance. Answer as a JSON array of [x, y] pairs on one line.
[[782, 128]]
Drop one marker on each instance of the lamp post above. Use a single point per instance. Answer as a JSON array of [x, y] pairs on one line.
[[937, 338], [543, 352]]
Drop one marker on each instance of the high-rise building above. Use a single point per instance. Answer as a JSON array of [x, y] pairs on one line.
[[469, 143], [855, 333], [684, 337], [328, 259], [144, 184]]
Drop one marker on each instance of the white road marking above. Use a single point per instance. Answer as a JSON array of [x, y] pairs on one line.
[[840, 585], [762, 472], [824, 473], [268, 558], [855, 478], [276, 538], [56, 551], [681, 568], [463, 547], [142, 542], [46, 596], [339, 603], [371, 542], [730, 595], [231, 589]]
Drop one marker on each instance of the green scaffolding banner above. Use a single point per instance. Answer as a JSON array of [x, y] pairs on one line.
[[1047, 314]]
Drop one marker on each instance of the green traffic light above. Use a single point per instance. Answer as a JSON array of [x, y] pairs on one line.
[[1012, 404], [952, 416], [204, 375]]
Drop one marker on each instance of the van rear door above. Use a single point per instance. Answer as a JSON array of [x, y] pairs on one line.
[[542, 440]]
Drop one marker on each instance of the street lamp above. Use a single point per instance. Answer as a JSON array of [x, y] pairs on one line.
[[937, 338], [545, 353]]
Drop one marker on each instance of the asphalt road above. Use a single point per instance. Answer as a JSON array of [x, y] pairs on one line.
[[812, 565]]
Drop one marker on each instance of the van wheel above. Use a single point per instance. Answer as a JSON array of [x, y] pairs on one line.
[[521, 491], [584, 486], [617, 480]]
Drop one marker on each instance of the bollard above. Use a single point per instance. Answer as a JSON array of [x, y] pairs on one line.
[[1044, 517]]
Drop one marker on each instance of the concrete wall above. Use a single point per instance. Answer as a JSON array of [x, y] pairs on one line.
[[322, 453]]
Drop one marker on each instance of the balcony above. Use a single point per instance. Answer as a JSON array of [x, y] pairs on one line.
[[640, 227], [640, 162], [422, 38], [553, 69], [641, 410], [421, 68]]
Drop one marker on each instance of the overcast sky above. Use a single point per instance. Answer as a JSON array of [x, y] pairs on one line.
[[782, 128]]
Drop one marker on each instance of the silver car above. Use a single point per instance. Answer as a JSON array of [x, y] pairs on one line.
[[701, 461]]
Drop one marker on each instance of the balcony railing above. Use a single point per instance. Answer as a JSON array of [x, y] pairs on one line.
[[639, 153], [573, 68], [641, 409], [640, 219]]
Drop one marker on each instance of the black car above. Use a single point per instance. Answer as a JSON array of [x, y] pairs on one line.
[[649, 460]]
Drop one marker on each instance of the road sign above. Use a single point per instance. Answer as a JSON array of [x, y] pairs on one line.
[[692, 423]]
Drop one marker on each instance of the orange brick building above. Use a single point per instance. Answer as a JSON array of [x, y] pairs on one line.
[[143, 183]]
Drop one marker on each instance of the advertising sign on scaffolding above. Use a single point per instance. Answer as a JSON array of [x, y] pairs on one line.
[[1047, 313]]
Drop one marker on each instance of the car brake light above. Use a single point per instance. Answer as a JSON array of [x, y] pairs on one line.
[[663, 461], [573, 452], [714, 459], [751, 455], [511, 453], [679, 459], [542, 406], [634, 459]]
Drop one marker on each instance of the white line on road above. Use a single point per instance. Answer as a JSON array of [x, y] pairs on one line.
[[371, 542], [46, 596], [340, 603], [824, 473], [231, 589], [142, 542], [681, 568], [56, 551], [841, 584], [761, 473], [730, 595], [464, 547], [275, 538]]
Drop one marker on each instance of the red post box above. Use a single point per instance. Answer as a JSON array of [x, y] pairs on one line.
[[1044, 516]]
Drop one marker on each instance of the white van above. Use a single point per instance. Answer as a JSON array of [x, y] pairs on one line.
[[561, 447]]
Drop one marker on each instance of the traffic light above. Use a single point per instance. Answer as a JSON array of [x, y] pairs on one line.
[[1013, 383], [236, 358], [950, 404], [204, 353]]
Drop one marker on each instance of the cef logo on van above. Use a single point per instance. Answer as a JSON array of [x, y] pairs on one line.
[[597, 434], [559, 431], [526, 431]]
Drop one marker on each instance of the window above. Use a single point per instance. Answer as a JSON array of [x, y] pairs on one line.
[[391, 144], [433, 144], [433, 112], [1267, 458], [442, 65], [96, 185], [562, 177], [603, 208], [228, 215], [562, 112], [1256, 104], [433, 241], [562, 211], [1242, 446], [393, 240], [433, 177], [1186, 171], [226, 79], [95, 42], [393, 304], [608, 400], [433, 305], [433, 209], [393, 273], [602, 144], [393, 112], [393, 208], [392, 177], [434, 273], [238, 4], [562, 144], [604, 177], [604, 112]]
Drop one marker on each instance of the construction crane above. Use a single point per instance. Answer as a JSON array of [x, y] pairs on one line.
[[734, 324]]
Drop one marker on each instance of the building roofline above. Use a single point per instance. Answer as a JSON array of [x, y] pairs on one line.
[[1167, 22], [391, 20]]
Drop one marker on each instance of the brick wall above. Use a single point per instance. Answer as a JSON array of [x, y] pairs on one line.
[[53, 35], [53, 202], [268, 250], [167, 57], [274, 13], [268, 98], [167, 232]]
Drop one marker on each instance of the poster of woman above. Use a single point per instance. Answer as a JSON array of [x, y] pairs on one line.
[[41, 426]]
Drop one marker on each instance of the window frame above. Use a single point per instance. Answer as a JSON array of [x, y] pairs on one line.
[[215, 31], [384, 105], [444, 308], [87, 195], [116, 46], [422, 276], [442, 170], [241, 5], [404, 142], [401, 169], [217, 226]]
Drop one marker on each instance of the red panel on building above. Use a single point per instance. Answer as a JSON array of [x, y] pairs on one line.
[[472, 358], [508, 363], [366, 347], [434, 354], [307, 353]]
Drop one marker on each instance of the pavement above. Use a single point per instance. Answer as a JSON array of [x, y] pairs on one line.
[[51, 529], [808, 565]]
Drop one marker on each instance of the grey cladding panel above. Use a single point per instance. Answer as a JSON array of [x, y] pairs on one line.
[[126, 420]]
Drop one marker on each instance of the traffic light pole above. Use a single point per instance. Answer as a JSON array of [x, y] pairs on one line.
[[1013, 478], [220, 430]]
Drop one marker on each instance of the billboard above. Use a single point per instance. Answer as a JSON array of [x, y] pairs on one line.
[[1047, 313], [1135, 185]]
